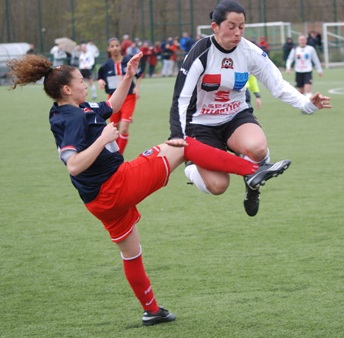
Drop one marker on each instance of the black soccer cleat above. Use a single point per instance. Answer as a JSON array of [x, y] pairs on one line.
[[265, 172], [251, 201], [162, 316]]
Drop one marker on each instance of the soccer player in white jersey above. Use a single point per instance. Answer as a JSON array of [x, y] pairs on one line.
[[86, 63], [209, 98], [303, 57]]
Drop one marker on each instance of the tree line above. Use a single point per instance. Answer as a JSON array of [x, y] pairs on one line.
[[41, 21]]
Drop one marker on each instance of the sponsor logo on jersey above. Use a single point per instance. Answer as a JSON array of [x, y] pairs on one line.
[[148, 152], [240, 80], [211, 82], [222, 96], [228, 108], [227, 63], [184, 71]]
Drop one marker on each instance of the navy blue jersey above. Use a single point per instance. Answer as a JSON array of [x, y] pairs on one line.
[[112, 73], [75, 129]]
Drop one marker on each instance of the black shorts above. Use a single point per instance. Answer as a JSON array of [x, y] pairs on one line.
[[217, 136], [303, 78], [86, 73]]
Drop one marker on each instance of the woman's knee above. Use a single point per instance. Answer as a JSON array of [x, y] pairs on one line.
[[217, 184]]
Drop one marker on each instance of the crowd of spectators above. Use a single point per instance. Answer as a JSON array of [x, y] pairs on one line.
[[164, 58], [160, 58]]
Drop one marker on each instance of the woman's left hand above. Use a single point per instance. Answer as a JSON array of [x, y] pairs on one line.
[[177, 142], [321, 101], [133, 64]]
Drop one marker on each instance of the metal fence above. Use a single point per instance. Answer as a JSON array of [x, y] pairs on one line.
[[41, 21]]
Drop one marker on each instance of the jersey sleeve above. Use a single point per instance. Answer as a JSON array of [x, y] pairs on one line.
[[101, 72], [185, 85], [70, 134], [252, 85], [103, 109], [267, 73], [316, 60], [290, 59]]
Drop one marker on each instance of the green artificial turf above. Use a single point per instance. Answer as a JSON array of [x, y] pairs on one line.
[[279, 274]]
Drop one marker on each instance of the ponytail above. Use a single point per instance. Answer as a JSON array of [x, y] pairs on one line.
[[32, 68], [29, 69]]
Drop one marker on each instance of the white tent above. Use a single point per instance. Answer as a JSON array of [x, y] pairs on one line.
[[9, 51]]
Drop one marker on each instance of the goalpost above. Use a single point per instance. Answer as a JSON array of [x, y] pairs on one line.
[[277, 31], [333, 40]]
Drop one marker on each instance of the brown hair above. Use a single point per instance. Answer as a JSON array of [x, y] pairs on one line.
[[32, 68]]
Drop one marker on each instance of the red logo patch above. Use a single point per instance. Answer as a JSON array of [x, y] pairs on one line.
[[227, 63], [211, 82], [221, 96]]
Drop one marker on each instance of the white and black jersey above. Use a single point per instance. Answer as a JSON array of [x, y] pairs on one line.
[[303, 59], [210, 86]]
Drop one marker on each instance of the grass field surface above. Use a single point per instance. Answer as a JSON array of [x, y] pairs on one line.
[[224, 274]]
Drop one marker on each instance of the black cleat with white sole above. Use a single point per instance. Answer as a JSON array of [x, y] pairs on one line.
[[265, 172], [162, 316], [251, 201]]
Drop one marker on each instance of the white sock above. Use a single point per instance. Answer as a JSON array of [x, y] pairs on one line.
[[266, 159], [194, 176]]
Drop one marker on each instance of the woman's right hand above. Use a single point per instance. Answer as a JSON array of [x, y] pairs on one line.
[[110, 133]]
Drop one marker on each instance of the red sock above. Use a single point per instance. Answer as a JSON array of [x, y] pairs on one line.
[[140, 283], [122, 142], [214, 159]]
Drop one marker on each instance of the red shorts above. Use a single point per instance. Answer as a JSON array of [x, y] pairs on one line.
[[127, 110], [115, 205]]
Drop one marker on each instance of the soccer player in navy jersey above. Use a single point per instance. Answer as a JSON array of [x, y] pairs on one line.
[[110, 75]]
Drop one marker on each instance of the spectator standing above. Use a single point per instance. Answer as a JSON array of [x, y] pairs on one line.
[[263, 44], [146, 52], [314, 40], [126, 43], [59, 56], [167, 62], [287, 47], [155, 53], [133, 49], [175, 47], [74, 58], [186, 42]]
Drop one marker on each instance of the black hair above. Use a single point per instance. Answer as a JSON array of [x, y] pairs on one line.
[[112, 39], [219, 14]]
